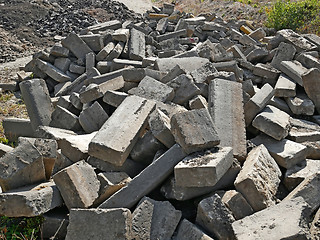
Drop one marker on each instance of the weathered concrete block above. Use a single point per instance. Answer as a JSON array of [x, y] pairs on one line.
[[267, 72], [92, 118], [238, 205], [259, 179], [299, 42], [273, 122], [309, 61], [99, 224], [76, 45], [187, 230], [269, 224], [62, 63], [285, 87], [286, 153], [64, 102], [59, 51], [280, 104], [102, 55], [215, 218], [152, 89], [137, 45], [52, 71], [61, 162], [21, 166], [166, 64], [114, 98], [206, 135], [258, 102], [30, 201], [230, 66], [198, 102], [184, 89], [121, 35], [162, 25], [36, 97], [113, 25], [301, 104], [17, 127], [203, 169], [154, 219], [294, 70], [116, 51], [200, 75], [311, 85], [55, 223], [78, 185], [150, 178], [4, 149], [303, 131], [226, 110], [284, 52], [62, 118], [125, 124], [94, 41]]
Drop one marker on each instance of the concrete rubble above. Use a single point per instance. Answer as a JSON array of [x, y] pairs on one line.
[[175, 127]]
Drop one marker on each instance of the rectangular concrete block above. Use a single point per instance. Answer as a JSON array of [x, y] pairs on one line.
[[114, 98], [125, 124], [285, 87], [203, 169], [303, 131], [102, 55], [94, 41], [311, 85], [301, 104], [188, 230], [17, 127], [259, 179], [62, 118], [52, 71], [166, 64], [113, 25], [76, 45], [284, 52], [294, 70], [137, 45], [227, 113]]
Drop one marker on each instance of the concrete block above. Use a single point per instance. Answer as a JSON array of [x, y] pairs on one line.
[[78, 185], [214, 217], [104, 66], [16, 127], [98, 79], [75, 100], [61, 162], [75, 68], [76, 45], [62, 118], [112, 25], [285, 87], [273, 122], [92, 118], [203, 169], [311, 85], [171, 191], [230, 66], [200, 75], [4, 149], [110, 182], [198, 102], [30, 201], [299, 42], [133, 112], [286, 153], [257, 55], [116, 51], [166, 64], [237, 204], [315, 39], [152, 89], [94, 41], [162, 25], [201, 121], [91, 224], [187, 230], [308, 60], [172, 74], [294, 70], [36, 97], [258, 34], [102, 55], [269, 224], [150, 178], [65, 102], [304, 131], [184, 89], [59, 51], [267, 72], [55, 223], [301, 104], [62, 64], [137, 45], [121, 35], [309, 190], [154, 220], [284, 52], [281, 104], [226, 110], [258, 102], [90, 61], [21, 166], [114, 98], [134, 74], [259, 179]]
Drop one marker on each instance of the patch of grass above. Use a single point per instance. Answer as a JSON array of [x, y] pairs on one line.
[[295, 15], [20, 228]]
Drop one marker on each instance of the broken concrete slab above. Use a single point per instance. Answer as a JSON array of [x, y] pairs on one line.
[[78, 185], [301, 104], [284, 52], [259, 179], [286, 153], [150, 178], [294, 70], [37, 99], [187, 230], [166, 64], [133, 111], [30, 201], [52, 71], [17, 127], [114, 98], [154, 219], [137, 45], [304, 131], [203, 169], [285, 87], [91, 224], [206, 135], [269, 224], [112, 25], [226, 110], [311, 85], [76, 45], [102, 55], [62, 118], [198, 102], [299, 42]]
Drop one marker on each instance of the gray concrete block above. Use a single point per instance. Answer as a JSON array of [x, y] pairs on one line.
[[187, 230], [281, 104], [311, 85], [285, 87], [301, 104], [230, 66], [62, 63], [308, 61], [55, 223], [175, 34], [75, 68], [290, 224], [16, 127], [303, 131], [112, 25], [162, 25], [226, 110], [267, 71], [315, 229], [121, 35], [94, 41], [102, 55], [259, 179], [116, 51], [21, 166], [125, 124], [62, 118], [152, 89], [257, 55], [150, 178], [114, 98], [76, 45], [104, 66], [203, 169], [200, 75], [299, 42], [273, 122], [104, 77], [258, 34], [258, 102], [65, 102], [30, 201], [92, 118], [90, 61], [137, 45], [198, 102], [294, 70], [215, 218], [36, 97], [284, 52], [154, 220], [59, 51], [98, 224], [78, 185], [201, 121], [61, 162], [286, 153], [75, 100], [166, 64]]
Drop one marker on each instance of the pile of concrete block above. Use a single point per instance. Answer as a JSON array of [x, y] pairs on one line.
[[177, 127]]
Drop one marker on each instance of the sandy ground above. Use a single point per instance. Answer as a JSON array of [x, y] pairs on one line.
[[139, 6]]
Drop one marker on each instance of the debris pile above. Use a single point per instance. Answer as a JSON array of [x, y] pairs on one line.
[[175, 127]]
